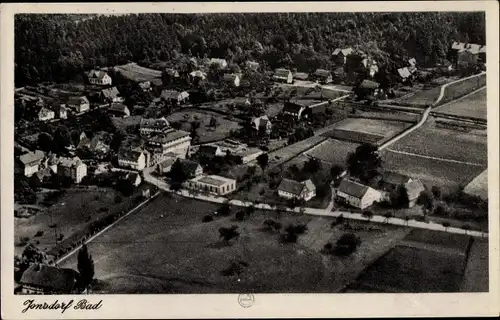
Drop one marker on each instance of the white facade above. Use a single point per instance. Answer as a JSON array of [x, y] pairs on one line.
[[80, 107], [178, 146], [212, 184], [76, 170], [371, 196], [30, 169], [305, 194], [136, 164], [104, 80], [46, 115]]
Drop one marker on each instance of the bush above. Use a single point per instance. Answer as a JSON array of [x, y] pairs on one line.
[[440, 211], [347, 244], [39, 233], [207, 218], [240, 215]]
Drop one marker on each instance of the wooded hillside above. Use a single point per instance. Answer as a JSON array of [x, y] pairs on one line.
[[56, 47]]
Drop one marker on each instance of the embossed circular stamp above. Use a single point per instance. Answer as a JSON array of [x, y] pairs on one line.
[[246, 300]]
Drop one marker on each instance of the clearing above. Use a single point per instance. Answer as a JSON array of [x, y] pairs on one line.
[[165, 248], [473, 106], [205, 132]]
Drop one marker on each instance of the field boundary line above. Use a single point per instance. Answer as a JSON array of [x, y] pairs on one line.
[[456, 100], [446, 85], [140, 205], [437, 158]]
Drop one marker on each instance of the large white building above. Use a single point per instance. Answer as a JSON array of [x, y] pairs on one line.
[[356, 194], [73, 168], [29, 163], [152, 126], [133, 159], [170, 141], [211, 184], [99, 78], [290, 189]]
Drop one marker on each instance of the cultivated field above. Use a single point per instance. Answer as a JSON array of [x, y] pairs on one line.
[[421, 98], [449, 144], [165, 248], [359, 130], [472, 106], [284, 154], [478, 186], [332, 151], [205, 132], [134, 72], [461, 88], [476, 276], [72, 212], [425, 261]]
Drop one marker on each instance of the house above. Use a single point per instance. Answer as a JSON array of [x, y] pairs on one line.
[[252, 65], [171, 140], [197, 75], [211, 184], [262, 124], [110, 95], [404, 74], [72, 168], [45, 279], [145, 86], [232, 79], [391, 180], [133, 159], [192, 169], [241, 102], [52, 163], [356, 194], [42, 175], [366, 89], [467, 58], [172, 73], [164, 166], [300, 76], [45, 114], [283, 75], [323, 76], [99, 78], [221, 63], [152, 126], [29, 163], [290, 189], [293, 109], [340, 55], [60, 111], [412, 62], [98, 145], [414, 188], [210, 151], [174, 96], [79, 104], [132, 177], [119, 110]]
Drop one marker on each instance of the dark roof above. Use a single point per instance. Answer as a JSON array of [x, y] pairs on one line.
[[110, 93], [352, 188], [78, 100], [322, 73], [154, 123], [52, 278], [130, 155], [97, 74], [291, 186], [172, 94], [118, 107], [395, 178], [292, 108], [241, 100], [168, 136], [208, 150], [369, 84], [157, 82], [189, 167]]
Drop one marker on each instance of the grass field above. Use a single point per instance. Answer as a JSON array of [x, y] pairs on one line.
[[429, 140], [461, 88], [424, 261], [333, 151], [177, 253], [421, 98], [432, 172], [205, 132], [74, 210], [473, 106], [479, 185], [476, 276]]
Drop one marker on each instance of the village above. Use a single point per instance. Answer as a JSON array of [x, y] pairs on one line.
[[351, 143]]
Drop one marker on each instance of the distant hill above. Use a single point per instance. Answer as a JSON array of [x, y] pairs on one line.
[[56, 47]]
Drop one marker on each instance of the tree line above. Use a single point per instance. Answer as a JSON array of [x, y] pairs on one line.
[[53, 47]]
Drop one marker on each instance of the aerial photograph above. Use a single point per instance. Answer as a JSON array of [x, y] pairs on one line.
[[203, 153]]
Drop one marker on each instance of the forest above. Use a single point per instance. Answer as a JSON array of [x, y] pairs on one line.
[[52, 47]]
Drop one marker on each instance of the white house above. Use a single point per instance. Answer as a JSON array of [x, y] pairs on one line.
[[262, 123], [73, 168], [174, 96], [283, 75], [170, 141], [61, 111], [221, 63], [111, 95], [132, 159], [119, 110], [211, 184], [356, 194], [241, 102], [289, 189], [45, 114], [252, 65], [99, 78], [79, 104], [232, 79], [29, 163]]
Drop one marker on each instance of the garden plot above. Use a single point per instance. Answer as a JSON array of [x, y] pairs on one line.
[[472, 106], [332, 151], [359, 130]]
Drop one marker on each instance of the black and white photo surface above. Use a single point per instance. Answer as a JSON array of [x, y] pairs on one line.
[[251, 153]]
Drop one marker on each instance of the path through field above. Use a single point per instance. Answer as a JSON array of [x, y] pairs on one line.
[[436, 158]]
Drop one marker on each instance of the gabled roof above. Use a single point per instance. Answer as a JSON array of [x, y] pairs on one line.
[[301, 75], [252, 64], [473, 48], [110, 93], [44, 173], [31, 157], [189, 167], [241, 100], [70, 162], [322, 73], [483, 49], [292, 108], [457, 45], [98, 74], [169, 135], [309, 185], [78, 100], [44, 111], [208, 150], [52, 278], [218, 61], [154, 123], [369, 84], [404, 72], [129, 155], [198, 74], [172, 94], [291, 186], [414, 188], [395, 178], [352, 188], [412, 62], [282, 72], [261, 121], [345, 52], [118, 107], [172, 72], [230, 77]]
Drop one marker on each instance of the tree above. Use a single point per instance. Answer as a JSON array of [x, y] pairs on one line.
[[312, 166], [335, 171], [347, 244], [364, 162], [224, 209], [436, 191], [213, 122], [85, 266], [249, 210], [45, 142], [367, 214], [407, 219], [177, 175], [426, 200], [240, 215], [446, 225], [263, 160], [399, 197], [227, 234]]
